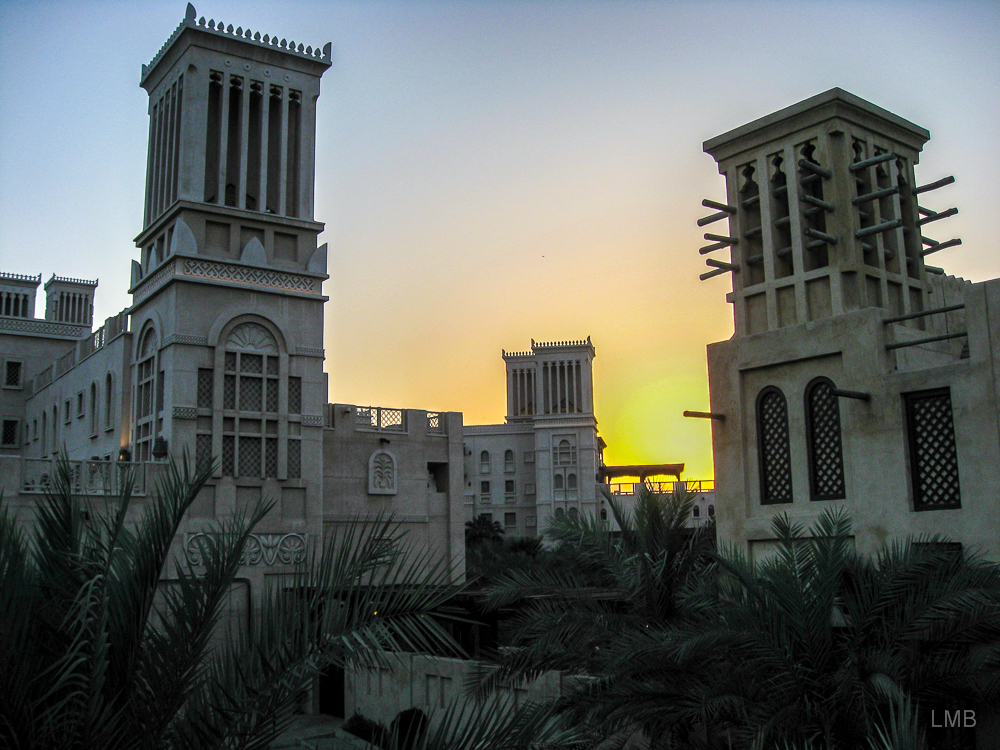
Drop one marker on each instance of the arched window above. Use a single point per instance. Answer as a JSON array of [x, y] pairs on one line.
[[571, 482], [557, 482], [560, 513], [484, 462], [109, 400], [773, 454], [564, 454], [250, 401], [574, 514], [695, 512], [824, 442], [93, 409], [508, 460], [146, 399], [711, 511]]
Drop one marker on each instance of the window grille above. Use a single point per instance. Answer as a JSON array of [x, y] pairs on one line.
[[228, 455], [271, 457], [12, 374], [205, 378], [294, 396], [824, 442], [145, 399], [933, 453], [249, 392], [203, 452], [294, 459], [9, 437], [773, 453]]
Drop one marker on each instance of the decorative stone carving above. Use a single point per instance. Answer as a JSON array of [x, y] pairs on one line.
[[182, 242], [382, 473], [269, 549], [181, 338], [305, 351], [249, 275], [253, 253], [312, 420], [251, 337], [185, 412], [317, 263], [29, 325], [154, 282]]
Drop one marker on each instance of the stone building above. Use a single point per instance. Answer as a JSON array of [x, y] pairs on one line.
[[220, 355], [858, 375], [545, 459]]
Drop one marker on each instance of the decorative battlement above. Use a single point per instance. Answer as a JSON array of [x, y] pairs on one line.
[[246, 35], [67, 280], [5, 276], [536, 345]]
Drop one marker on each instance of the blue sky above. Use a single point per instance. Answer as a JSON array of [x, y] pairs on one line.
[[491, 172]]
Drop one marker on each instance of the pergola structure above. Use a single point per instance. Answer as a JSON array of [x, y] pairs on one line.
[[642, 471]]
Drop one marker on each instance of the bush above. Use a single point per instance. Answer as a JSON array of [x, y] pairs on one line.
[[408, 728], [368, 730]]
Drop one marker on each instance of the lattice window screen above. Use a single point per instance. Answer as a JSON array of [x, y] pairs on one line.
[[294, 459], [205, 379], [824, 441], [250, 456], [774, 455], [272, 394], [933, 454], [228, 455], [271, 457], [295, 395], [203, 452]]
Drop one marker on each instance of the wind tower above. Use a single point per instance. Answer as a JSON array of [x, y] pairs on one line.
[[227, 300], [823, 214], [857, 372]]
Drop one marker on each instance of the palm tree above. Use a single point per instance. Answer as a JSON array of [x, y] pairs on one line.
[[96, 652], [481, 530], [818, 646], [585, 618]]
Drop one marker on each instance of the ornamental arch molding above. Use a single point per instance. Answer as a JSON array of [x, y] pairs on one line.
[[228, 321], [382, 473]]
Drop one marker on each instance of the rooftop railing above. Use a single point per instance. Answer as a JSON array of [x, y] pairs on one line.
[[86, 477]]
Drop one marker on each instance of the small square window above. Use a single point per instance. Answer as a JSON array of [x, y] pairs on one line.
[[531, 520], [484, 488], [510, 520], [529, 488], [529, 457], [9, 432], [12, 372], [508, 486]]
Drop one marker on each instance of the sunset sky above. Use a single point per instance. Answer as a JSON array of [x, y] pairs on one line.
[[492, 172]]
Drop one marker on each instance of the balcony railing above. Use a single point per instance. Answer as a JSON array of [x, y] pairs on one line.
[[695, 486], [380, 418], [86, 477]]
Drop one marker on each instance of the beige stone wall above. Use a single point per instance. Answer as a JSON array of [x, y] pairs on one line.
[[851, 350], [425, 496]]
